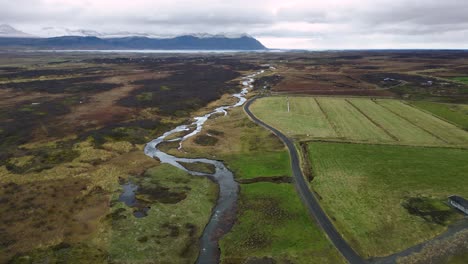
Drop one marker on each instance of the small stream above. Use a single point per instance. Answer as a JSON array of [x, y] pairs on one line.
[[224, 213]]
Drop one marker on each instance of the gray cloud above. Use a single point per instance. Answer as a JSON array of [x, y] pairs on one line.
[[313, 24]]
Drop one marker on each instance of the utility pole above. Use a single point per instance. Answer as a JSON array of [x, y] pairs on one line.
[[287, 99]]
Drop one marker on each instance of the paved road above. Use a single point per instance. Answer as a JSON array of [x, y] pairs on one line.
[[307, 197]]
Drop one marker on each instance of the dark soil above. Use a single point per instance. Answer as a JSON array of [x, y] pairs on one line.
[[215, 132], [205, 140], [264, 260], [199, 167], [267, 82], [161, 194], [44, 158], [136, 132], [17, 124], [188, 88], [273, 179], [18, 73], [70, 85], [427, 209]]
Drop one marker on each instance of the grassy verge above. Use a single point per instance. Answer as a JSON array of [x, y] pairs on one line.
[[253, 165], [273, 224], [387, 198]]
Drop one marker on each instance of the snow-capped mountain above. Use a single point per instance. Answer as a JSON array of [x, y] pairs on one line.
[[49, 32], [65, 38], [7, 31]]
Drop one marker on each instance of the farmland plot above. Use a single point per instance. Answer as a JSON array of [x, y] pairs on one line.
[[359, 120], [401, 129], [304, 116], [437, 127], [387, 198], [454, 113], [351, 123]]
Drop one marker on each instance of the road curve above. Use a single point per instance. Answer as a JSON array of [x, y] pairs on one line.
[[307, 197]]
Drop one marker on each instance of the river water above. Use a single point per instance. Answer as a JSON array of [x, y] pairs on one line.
[[224, 213]]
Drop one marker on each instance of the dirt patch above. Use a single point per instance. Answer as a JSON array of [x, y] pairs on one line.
[[199, 167], [205, 140], [264, 260], [431, 210], [305, 162], [273, 179], [159, 194], [215, 132], [267, 82]]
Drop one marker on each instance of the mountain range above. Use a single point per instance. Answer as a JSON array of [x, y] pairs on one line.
[[67, 39]]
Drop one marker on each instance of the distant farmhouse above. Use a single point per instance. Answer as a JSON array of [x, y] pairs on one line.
[[459, 202]]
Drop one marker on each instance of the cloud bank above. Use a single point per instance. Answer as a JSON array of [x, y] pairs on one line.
[[331, 24]]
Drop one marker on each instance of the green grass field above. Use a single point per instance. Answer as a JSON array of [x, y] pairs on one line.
[[253, 165], [358, 120], [438, 127], [461, 79], [305, 118], [455, 113], [400, 129], [369, 188], [274, 224], [350, 123]]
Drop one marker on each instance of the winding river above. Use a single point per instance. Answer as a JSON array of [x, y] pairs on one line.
[[224, 213]]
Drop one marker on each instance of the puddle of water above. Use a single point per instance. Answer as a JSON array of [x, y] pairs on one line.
[[128, 196]]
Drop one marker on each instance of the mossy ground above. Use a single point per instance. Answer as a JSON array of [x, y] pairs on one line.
[[274, 224], [170, 231]]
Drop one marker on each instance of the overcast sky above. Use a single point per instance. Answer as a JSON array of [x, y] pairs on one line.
[[310, 24]]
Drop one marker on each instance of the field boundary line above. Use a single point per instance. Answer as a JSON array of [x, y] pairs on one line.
[[373, 121], [432, 114], [383, 144], [333, 125], [302, 94], [420, 127]]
